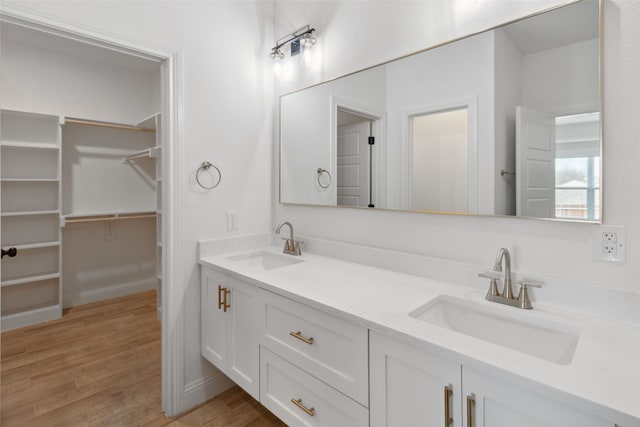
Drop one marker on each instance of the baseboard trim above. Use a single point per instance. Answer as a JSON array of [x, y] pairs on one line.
[[26, 318], [108, 292], [205, 388]]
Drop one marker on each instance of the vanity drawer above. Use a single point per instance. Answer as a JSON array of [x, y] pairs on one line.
[[282, 383], [323, 345]]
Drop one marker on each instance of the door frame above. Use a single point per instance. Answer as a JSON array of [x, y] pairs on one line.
[[170, 62], [379, 172], [471, 104]]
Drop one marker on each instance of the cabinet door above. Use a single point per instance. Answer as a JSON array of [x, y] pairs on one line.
[[214, 319], [408, 386], [244, 331], [501, 404]]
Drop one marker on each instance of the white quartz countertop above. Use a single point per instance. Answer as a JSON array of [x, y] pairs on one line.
[[604, 372]]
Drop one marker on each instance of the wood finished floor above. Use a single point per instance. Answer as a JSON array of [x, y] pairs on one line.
[[100, 366]]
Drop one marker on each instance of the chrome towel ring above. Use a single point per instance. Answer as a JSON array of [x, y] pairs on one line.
[[205, 166], [320, 172]]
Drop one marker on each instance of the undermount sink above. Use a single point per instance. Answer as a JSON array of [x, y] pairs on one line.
[[546, 341], [265, 260]]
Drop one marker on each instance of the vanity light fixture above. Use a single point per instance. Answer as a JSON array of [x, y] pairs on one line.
[[300, 39]]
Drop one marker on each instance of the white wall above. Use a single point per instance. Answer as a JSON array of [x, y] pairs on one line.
[[106, 259], [225, 118], [543, 247], [508, 95], [96, 180], [45, 81], [562, 80]]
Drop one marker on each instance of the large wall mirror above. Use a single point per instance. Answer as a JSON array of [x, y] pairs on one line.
[[504, 122]]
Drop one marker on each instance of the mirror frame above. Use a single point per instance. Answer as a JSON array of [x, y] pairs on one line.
[[600, 5]]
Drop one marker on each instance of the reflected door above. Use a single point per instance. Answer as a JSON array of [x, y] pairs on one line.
[[353, 164], [535, 163]]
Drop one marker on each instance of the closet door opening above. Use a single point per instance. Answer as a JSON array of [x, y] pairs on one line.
[[82, 145]]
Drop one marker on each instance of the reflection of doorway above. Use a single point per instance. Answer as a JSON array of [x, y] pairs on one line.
[[354, 160], [439, 156], [558, 165]]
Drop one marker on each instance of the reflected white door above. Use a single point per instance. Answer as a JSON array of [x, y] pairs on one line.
[[353, 164], [535, 163]]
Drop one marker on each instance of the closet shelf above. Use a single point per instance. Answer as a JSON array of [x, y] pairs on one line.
[[111, 216], [30, 279], [149, 152], [30, 180], [39, 245], [149, 122], [28, 213], [30, 145], [86, 122]]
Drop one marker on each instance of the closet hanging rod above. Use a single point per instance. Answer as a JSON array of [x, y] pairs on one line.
[[149, 152], [113, 217], [107, 125]]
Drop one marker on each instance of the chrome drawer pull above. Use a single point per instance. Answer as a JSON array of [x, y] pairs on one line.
[[298, 403], [301, 338]]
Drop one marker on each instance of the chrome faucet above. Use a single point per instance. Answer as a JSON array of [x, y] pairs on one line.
[[506, 296], [291, 246]]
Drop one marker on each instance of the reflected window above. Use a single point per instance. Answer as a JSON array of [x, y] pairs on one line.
[[577, 167]]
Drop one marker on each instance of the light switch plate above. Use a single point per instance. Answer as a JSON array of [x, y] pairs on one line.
[[609, 243], [232, 221]]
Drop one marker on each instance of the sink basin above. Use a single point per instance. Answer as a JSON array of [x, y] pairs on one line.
[[265, 260], [547, 341]]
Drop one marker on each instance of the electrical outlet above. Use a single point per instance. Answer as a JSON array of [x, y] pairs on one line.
[[610, 243], [232, 221]]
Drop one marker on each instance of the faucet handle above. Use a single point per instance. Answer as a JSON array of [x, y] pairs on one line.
[[523, 295], [490, 275], [531, 283], [493, 286]]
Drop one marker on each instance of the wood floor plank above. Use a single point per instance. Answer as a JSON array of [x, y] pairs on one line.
[[100, 366]]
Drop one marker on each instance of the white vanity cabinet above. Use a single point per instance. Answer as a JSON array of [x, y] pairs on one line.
[[231, 328], [496, 403], [313, 366], [408, 389]]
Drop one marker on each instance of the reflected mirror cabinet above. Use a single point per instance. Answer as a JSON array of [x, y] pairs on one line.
[[504, 122]]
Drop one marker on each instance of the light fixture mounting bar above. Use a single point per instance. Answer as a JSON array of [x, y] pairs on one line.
[[293, 37]]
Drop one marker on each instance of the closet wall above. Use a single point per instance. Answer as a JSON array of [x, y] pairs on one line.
[[87, 174]]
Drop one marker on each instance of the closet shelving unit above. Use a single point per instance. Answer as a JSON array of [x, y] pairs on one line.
[[30, 179], [154, 122], [33, 211]]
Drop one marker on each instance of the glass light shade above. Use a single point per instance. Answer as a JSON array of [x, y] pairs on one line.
[[276, 54], [307, 40]]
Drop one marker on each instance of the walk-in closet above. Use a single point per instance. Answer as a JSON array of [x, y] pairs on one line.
[[81, 170]]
